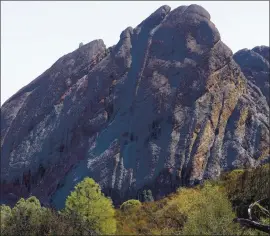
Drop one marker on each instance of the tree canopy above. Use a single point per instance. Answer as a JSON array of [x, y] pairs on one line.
[[91, 206]]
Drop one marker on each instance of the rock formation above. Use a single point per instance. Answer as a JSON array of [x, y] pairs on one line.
[[166, 106]]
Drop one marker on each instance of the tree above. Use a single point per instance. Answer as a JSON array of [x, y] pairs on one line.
[[80, 45], [56, 223], [5, 216], [130, 205], [25, 217], [28, 218], [90, 206], [147, 196]]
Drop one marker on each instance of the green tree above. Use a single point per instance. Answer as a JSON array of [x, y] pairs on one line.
[[28, 218], [5, 216], [147, 196], [130, 205], [89, 205], [25, 217], [55, 223]]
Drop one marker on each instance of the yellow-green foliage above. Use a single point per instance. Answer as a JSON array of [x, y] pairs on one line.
[[88, 202], [208, 211], [131, 205], [25, 217], [201, 210], [139, 220], [30, 211], [191, 211], [247, 186], [87, 211], [28, 218], [5, 215]]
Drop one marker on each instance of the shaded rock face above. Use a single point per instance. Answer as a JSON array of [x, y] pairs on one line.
[[255, 66], [166, 106]]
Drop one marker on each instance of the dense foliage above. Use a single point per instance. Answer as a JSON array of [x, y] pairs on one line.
[[131, 205], [207, 209], [193, 211], [92, 207], [247, 186], [27, 217]]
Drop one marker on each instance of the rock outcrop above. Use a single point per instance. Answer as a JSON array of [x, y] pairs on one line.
[[255, 66], [166, 106]]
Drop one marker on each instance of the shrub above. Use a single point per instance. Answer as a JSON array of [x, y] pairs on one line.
[[247, 186], [208, 211], [130, 205]]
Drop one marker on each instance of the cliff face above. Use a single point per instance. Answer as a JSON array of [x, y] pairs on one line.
[[255, 66], [166, 106]]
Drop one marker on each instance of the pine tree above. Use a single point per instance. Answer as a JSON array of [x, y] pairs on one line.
[[89, 204]]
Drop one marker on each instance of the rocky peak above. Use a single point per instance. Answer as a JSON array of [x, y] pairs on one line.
[[255, 66], [263, 51], [166, 106]]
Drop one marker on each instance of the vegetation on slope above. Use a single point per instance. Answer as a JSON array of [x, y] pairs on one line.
[[206, 209]]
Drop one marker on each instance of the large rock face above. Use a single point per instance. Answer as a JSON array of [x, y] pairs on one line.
[[166, 106]]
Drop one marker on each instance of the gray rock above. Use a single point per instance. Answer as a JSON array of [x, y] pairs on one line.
[[263, 51], [166, 106], [255, 66]]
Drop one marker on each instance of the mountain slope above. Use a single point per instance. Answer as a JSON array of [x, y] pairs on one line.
[[166, 106]]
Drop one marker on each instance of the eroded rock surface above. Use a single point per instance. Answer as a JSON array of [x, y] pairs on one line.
[[255, 66], [166, 106]]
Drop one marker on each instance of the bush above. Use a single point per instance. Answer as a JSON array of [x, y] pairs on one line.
[[247, 186], [208, 211], [131, 205], [191, 211]]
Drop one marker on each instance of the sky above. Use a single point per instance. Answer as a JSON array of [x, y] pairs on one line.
[[35, 34]]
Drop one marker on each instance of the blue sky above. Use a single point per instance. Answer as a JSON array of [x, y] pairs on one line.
[[35, 34]]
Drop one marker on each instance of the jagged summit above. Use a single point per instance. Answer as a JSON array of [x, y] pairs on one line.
[[166, 106]]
